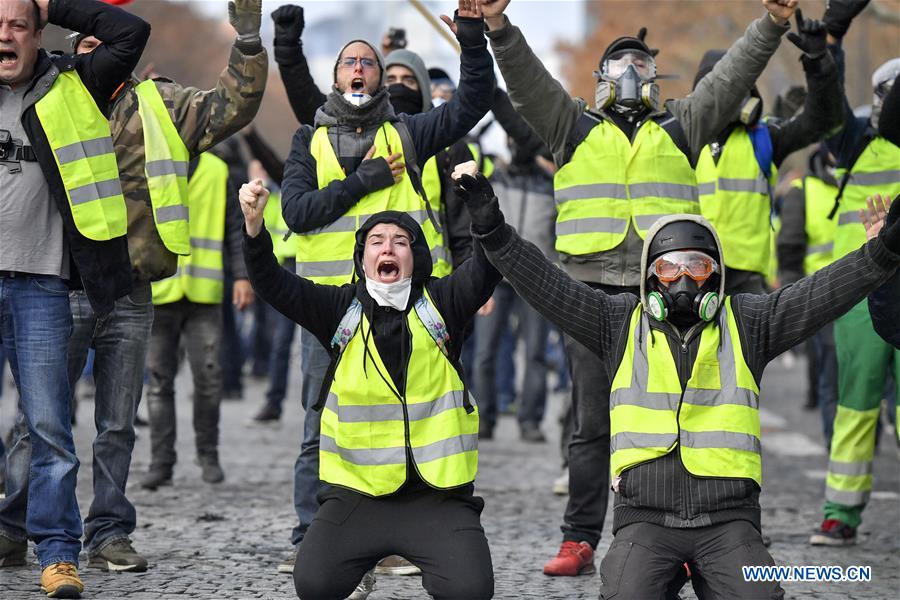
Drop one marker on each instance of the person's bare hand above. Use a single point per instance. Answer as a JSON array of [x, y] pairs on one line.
[[781, 11], [397, 166], [467, 8], [487, 309], [875, 214], [253, 197], [243, 295], [493, 12]]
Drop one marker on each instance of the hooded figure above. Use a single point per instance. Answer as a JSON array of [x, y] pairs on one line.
[[684, 405], [399, 431], [403, 98]]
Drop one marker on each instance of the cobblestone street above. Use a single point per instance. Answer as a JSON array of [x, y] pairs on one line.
[[225, 541]]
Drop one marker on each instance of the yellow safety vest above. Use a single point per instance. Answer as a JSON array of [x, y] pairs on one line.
[[714, 420], [166, 169], [201, 277], [876, 171], [485, 164], [734, 197], [610, 182], [368, 427], [277, 228], [325, 256], [431, 183], [820, 230], [79, 136]]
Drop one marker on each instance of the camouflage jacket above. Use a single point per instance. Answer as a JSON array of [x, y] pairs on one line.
[[203, 119]]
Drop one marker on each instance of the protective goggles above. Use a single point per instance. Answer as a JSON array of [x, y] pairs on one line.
[[617, 63], [672, 265]]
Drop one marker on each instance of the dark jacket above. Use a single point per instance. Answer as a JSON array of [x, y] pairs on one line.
[[306, 207], [662, 491], [102, 268], [884, 307]]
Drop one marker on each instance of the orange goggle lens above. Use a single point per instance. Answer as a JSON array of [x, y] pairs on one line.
[[672, 265]]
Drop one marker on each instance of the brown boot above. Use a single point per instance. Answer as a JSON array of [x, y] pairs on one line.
[[60, 580]]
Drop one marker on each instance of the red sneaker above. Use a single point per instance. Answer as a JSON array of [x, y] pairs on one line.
[[574, 558]]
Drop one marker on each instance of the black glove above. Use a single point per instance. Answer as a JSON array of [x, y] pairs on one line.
[[840, 13], [469, 31], [484, 208], [813, 38], [289, 24], [890, 234], [375, 174]]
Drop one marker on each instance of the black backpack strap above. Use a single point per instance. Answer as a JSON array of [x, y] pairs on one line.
[[672, 126], [413, 169], [582, 128], [867, 137]]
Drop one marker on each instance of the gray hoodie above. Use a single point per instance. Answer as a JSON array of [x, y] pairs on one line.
[[413, 62]]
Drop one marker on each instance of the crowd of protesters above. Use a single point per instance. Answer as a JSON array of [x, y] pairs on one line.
[[145, 220]]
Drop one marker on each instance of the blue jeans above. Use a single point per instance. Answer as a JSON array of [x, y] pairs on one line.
[[35, 326], [120, 344], [280, 358], [314, 361]]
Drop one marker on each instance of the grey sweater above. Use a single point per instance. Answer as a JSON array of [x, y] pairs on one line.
[[547, 107], [662, 491]]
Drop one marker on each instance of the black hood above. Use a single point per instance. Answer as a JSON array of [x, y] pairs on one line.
[[421, 254]]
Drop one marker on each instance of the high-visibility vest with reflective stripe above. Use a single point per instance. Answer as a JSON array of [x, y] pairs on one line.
[[876, 171], [166, 169], [820, 230], [734, 197], [201, 277], [714, 420], [367, 427], [485, 164], [325, 255], [277, 228], [610, 182], [431, 183], [79, 136]]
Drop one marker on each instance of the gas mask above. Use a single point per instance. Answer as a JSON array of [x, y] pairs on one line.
[[685, 287], [626, 82], [882, 82], [881, 93]]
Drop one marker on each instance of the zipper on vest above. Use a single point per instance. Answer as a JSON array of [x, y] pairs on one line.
[[411, 456]]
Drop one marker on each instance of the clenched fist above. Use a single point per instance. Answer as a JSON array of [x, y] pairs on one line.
[[253, 197]]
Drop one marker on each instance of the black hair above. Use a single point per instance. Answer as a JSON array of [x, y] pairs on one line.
[[38, 26]]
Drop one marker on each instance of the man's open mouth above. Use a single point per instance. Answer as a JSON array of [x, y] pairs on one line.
[[358, 85], [388, 269], [8, 57]]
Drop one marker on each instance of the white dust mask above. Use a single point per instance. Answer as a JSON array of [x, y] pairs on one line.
[[395, 295]]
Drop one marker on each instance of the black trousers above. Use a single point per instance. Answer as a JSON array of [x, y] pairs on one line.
[[439, 532], [644, 559]]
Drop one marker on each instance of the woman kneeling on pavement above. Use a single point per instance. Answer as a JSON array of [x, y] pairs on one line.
[[399, 430]]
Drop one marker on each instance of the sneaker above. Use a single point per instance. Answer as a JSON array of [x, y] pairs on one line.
[[12, 553], [834, 533], [119, 555], [156, 477], [396, 565], [267, 415], [211, 471], [287, 565], [574, 558], [60, 580], [366, 586], [561, 484]]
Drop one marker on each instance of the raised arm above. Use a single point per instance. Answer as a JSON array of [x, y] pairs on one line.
[[123, 34], [303, 94]]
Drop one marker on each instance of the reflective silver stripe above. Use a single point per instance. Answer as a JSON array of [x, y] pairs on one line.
[[705, 189], [341, 225], [158, 168], [329, 268], [651, 400], [206, 244], [373, 413], [364, 456], [757, 186], [204, 273], [647, 221], [445, 448], [720, 439], [847, 498], [849, 468], [617, 191], [279, 233], [876, 178], [727, 395], [167, 214], [820, 248], [630, 439], [85, 149], [440, 253], [849, 218], [591, 225], [675, 191], [95, 191]]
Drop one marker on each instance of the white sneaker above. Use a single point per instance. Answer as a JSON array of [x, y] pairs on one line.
[[287, 565], [365, 587], [561, 484]]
